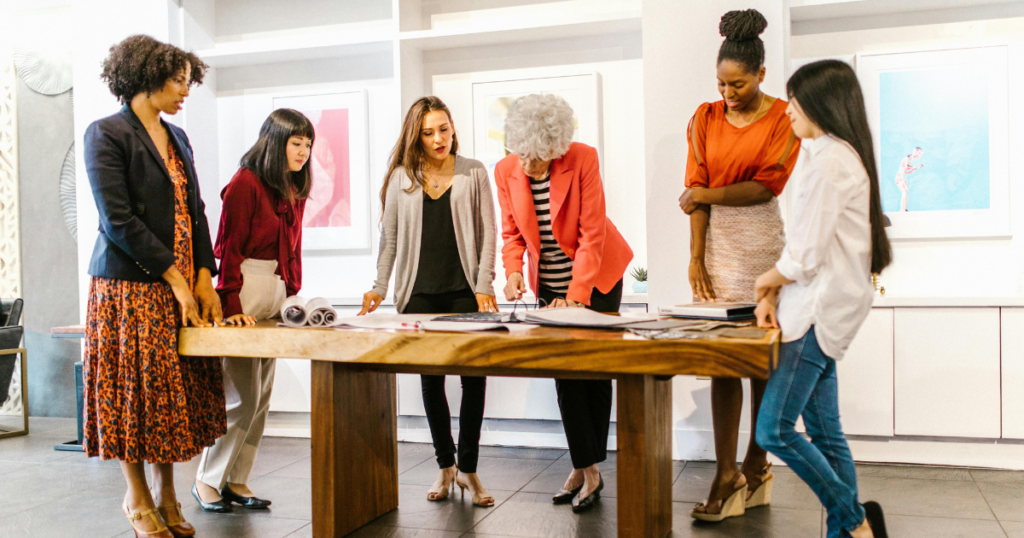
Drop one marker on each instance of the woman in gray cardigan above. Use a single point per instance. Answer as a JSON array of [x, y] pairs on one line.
[[439, 226]]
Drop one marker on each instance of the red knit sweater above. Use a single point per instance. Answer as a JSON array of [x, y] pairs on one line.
[[256, 224]]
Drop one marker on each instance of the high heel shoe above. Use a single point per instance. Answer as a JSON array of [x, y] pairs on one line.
[[442, 494], [161, 529], [486, 501], [876, 520], [219, 507], [171, 513], [565, 496], [582, 505], [732, 506], [762, 496]]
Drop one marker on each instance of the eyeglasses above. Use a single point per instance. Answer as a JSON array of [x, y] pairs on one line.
[[541, 303]]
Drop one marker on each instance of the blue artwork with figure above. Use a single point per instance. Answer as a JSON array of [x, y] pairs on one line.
[[934, 139]]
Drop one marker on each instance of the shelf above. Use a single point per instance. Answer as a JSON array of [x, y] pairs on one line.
[[824, 16], [306, 44], [526, 23], [947, 302]]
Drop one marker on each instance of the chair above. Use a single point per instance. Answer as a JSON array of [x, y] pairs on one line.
[[11, 333]]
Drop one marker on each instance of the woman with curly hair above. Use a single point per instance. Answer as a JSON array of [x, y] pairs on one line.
[[552, 209], [152, 270], [741, 153]]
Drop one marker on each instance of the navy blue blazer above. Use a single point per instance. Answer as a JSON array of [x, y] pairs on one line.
[[135, 198]]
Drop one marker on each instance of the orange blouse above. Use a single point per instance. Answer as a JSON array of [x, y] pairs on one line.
[[721, 154]]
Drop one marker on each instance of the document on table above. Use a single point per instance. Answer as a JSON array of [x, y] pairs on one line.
[[412, 322]]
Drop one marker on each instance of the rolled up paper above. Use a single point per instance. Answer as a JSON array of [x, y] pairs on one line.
[[321, 313], [294, 312]]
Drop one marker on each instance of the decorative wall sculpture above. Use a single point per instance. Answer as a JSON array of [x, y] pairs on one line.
[[68, 203], [10, 237], [48, 72]]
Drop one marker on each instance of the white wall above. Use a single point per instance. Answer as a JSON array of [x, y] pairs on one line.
[[99, 25], [967, 268]]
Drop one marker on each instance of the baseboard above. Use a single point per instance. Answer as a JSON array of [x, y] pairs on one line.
[[698, 445]]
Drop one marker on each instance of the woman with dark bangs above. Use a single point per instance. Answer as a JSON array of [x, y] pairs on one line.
[[259, 244], [152, 270]]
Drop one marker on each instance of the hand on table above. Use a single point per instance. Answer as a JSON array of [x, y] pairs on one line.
[[562, 303], [486, 303], [239, 320], [515, 288], [700, 281], [371, 300], [207, 298]]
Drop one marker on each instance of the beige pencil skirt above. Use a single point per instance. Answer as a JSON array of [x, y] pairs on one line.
[[742, 244]]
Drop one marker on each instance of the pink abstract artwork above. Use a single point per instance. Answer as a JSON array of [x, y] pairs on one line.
[[330, 199]]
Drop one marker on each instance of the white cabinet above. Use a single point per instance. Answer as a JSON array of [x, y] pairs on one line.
[[947, 372], [865, 378], [1013, 372]]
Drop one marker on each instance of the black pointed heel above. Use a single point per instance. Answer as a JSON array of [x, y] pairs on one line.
[[565, 496], [251, 503], [582, 505], [876, 520], [220, 507]]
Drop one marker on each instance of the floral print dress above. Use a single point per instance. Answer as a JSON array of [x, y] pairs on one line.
[[144, 402]]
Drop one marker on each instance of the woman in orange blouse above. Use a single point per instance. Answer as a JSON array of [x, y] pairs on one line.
[[742, 150]]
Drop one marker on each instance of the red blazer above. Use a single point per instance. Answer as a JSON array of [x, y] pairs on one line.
[[599, 253]]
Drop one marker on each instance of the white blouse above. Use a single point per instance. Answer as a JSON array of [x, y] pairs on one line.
[[828, 248]]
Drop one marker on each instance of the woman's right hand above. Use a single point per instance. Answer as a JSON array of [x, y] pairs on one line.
[[240, 320], [700, 281], [186, 302], [371, 300], [515, 288]]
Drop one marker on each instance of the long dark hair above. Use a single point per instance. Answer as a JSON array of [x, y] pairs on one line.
[[268, 157], [829, 95], [742, 44], [408, 152]]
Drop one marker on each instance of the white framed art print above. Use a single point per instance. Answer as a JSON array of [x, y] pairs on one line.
[[337, 214]]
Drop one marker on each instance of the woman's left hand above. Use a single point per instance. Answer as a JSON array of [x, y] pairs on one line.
[[207, 298], [486, 303], [769, 284], [690, 199]]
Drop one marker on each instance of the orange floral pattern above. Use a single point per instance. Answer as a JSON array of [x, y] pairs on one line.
[[144, 402]]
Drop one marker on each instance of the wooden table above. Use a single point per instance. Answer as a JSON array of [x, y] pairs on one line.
[[354, 400]]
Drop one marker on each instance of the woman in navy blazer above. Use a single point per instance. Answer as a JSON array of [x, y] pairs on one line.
[[152, 270]]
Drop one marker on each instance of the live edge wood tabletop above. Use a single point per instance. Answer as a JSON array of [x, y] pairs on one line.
[[354, 400]]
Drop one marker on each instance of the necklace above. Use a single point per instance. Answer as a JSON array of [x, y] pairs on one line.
[[763, 95], [441, 170]]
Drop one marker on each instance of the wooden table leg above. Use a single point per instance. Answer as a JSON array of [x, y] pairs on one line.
[[355, 450], [645, 456]]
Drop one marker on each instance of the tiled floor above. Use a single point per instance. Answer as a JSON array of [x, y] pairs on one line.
[[46, 494]]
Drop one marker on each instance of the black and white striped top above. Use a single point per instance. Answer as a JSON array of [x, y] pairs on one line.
[[555, 270]]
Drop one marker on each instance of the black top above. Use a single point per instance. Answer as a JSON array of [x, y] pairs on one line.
[[135, 198], [440, 268]]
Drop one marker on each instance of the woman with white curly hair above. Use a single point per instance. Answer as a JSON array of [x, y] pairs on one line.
[[553, 209]]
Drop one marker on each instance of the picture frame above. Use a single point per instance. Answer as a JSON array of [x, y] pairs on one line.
[[941, 140], [338, 211]]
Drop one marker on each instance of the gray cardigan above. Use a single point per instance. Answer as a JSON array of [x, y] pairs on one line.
[[402, 229]]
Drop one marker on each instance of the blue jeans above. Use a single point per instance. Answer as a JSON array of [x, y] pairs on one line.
[[805, 384]]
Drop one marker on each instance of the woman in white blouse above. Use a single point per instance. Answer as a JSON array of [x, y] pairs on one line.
[[822, 286]]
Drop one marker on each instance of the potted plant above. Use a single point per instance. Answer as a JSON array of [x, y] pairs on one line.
[[640, 275]]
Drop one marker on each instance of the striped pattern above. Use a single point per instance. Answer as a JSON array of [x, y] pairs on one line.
[[555, 270]]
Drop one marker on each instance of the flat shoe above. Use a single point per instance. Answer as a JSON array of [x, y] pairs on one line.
[[582, 505], [251, 503], [565, 496], [220, 507], [876, 520]]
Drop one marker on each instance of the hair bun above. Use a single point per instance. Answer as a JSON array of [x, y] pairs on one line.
[[742, 25]]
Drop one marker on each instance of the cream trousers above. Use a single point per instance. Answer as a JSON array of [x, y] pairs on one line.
[[247, 385]]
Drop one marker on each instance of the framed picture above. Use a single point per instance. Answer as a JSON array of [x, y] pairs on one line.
[[491, 101], [337, 215], [941, 140]]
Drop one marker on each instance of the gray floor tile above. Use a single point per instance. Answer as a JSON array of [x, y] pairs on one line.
[[412, 454], [7, 467], [1013, 529], [279, 452], [456, 513], [299, 469], [521, 453], [241, 523], [694, 483], [495, 473], [553, 478], [1005, 498], [84, 514], [773, 522], [992, 475], [292, 498], [383, 531], [935, 498], [42, 484], [914, 471], [532, 515], [64, 428], [30, 448], [304, 532], [933, 527], [788, 491]]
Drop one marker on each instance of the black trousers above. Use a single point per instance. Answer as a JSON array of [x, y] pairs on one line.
[[435, 401], [586, 404]]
